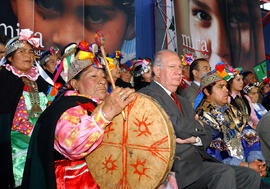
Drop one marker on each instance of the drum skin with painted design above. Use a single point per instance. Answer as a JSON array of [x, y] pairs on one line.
[[136, 153]]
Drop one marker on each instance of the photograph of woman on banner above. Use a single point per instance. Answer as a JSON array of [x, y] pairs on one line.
[[227, 30], [63, 21]]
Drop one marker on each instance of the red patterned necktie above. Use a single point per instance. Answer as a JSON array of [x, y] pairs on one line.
[[173, 95]]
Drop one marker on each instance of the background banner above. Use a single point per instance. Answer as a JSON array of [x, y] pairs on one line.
[[221, 30], [60, 22]]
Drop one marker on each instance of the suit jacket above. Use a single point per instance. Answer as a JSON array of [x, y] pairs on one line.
[[263, 130], [190, 93], [189, 158]]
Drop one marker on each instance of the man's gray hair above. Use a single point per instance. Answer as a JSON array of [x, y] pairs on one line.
[[158, 59]]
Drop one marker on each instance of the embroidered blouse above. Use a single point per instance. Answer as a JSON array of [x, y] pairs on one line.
[[77, 133], [32, 74], [22, 122]]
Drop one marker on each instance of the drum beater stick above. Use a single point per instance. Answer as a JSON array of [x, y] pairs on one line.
[[99, 38]]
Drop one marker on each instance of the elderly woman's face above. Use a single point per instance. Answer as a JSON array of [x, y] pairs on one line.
[[51, 63], [23, 58], [92, 83], [64, 21]]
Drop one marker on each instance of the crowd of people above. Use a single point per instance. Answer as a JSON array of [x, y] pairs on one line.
[[50, 118]]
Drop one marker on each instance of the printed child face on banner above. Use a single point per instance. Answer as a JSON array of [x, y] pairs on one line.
[[228, 31], [64, 21]]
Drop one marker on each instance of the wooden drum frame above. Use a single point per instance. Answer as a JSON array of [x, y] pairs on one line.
[[136, 153]]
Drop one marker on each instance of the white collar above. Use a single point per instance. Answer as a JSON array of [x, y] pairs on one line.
[[166, 90]]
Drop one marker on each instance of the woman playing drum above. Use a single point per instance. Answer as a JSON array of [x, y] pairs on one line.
[[67, 132]]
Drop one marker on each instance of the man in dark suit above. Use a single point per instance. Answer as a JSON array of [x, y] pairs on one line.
[[194, 168], [197, 70]]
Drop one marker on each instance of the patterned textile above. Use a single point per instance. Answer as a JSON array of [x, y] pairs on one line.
[[141, 66], [244, 104], [84, 59], [226, 71], [184, 83], [259, 110], [53, 91], [22, 122], [67, 59], [222, 71], [114, 60], [77, 133], [128, 65], [46, 54], [77, 66], [232, 139], [187, 59], [21, 130], [17, 42], [208, 79], [31, 75], [249, 86]]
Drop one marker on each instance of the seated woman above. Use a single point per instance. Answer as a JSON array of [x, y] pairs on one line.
[[241, 101], [49, 59], [142, 73], [252, 91], [22, 101], [75, 128]]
